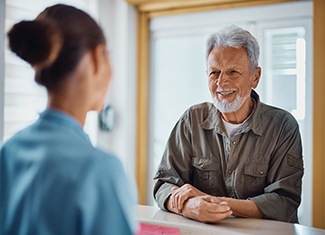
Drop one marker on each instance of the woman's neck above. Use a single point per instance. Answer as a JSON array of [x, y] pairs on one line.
[[74, 107]]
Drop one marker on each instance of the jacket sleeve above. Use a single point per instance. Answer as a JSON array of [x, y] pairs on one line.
[[175, 167], [282, 196]]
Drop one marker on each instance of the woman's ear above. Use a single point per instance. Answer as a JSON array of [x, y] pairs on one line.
[[98, 54]]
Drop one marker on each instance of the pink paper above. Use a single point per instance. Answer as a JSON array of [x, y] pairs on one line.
[[150, 229]]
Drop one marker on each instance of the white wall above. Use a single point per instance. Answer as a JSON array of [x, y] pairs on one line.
[[118, 21], [2, 55]]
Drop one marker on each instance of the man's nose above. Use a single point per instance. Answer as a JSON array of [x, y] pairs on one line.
[[222, 80]]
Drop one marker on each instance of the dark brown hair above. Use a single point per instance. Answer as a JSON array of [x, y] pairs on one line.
[[55, 42]]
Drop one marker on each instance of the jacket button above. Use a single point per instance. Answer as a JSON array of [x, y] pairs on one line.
[[261, 172]]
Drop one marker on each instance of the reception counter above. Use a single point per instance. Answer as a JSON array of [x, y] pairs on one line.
[[230, 226]]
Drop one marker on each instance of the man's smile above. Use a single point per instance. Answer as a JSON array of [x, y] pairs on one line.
[[225, 93]]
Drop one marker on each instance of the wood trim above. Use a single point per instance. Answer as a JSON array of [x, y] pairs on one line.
[[164, 5], [211, 7], [195, 5], [177, 3], [142, 106], [319, 116]]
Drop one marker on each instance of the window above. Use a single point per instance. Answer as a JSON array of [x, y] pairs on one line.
[[23, 98], [287, 83]]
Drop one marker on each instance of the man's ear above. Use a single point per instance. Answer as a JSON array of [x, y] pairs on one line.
[[256, 77], [97, 57]]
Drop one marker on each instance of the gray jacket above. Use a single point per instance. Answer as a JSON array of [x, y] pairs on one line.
[[262, 162]]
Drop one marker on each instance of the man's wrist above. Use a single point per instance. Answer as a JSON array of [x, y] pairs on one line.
[[168, 205]]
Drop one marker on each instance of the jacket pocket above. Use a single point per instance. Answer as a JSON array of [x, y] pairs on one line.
[[254, 179], [295, 162], [207, 174]]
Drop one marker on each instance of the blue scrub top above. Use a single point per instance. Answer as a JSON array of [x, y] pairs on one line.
[[53, 181]]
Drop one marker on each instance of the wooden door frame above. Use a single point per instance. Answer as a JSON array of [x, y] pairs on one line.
[[318, 115]]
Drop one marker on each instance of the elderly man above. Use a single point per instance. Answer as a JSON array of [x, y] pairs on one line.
[[237, 156]]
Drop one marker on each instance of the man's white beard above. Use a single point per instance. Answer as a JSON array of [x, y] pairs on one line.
[[227, 107]]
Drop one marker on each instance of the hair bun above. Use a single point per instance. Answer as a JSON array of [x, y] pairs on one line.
[[33, 41]]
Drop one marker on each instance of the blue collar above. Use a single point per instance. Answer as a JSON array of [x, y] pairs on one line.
[[63, 120]]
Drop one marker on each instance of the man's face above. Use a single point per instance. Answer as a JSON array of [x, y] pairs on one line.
[[230, 78]]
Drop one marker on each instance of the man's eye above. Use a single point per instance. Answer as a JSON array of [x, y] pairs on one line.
[[213, 73], [233, 72]]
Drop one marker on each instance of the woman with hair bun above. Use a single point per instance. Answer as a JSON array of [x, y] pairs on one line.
[[52, 180]]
